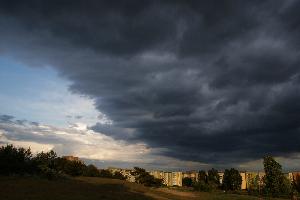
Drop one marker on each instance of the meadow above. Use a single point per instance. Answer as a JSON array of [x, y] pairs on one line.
[[88, 188]]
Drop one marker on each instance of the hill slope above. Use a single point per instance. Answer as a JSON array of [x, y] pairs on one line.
[[83, 188]]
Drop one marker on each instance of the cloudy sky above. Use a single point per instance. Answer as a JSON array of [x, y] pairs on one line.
[[158, 84]]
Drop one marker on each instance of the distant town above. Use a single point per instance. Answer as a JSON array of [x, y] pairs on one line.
[[174, 178]]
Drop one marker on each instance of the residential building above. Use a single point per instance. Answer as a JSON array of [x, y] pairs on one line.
[[191, 174], [244, 180], [177, 178], [72, 158], [221, 175]]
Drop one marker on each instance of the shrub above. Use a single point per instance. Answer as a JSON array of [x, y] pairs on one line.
[[105, 173], [91, 171], [187, 181], [118, 175]]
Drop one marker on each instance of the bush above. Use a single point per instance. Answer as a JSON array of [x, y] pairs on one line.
[[105, 173], [118, 175], [74, 168], [202, 186], [188, 182], [91, 171]]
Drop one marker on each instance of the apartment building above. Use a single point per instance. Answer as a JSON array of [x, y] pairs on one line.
[[191, 174], [72, 158], [169, 178], [175, 178]]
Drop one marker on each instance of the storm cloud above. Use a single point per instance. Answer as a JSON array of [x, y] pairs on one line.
[[215, 82]]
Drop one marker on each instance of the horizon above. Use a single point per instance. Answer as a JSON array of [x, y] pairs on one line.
[[156, 84]]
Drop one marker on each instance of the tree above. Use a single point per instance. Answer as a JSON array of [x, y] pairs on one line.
[[143, 177], [202, 184], [74, 168], [15, 160], [275, 181], [105, 173], [187, 181], [91, 171], [46, 165], [213, 177], [202, 176], [232, 179], [253, 182]]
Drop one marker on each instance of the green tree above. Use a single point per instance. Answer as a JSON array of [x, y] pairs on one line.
[[46, 165], [74, 168], [202, 176], [202, 183], [143, 177], [91, 171], [232, 179], [275, 182], [15, 160], [187, 181], [253, 182], [105, 173], [213, 177]]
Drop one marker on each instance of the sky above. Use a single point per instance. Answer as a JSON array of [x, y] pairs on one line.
[[175, 85]]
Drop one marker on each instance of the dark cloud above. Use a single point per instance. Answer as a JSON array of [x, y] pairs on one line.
[[213, 82], [6, 118]]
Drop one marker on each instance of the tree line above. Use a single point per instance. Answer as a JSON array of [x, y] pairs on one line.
[[21, 161], [274, 183]]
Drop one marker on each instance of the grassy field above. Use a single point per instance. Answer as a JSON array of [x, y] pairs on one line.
[[15, 188]]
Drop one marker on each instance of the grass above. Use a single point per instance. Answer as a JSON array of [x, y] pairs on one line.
[[29, 188]]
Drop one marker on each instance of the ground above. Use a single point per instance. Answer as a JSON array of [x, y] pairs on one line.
[[83, 188]]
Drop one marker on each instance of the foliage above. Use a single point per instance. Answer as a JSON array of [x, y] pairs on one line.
[[207, 181], [15, 160], [232, 180], [91, 171], [119, 175], [202, 176], [286, 186], [202, 186], [275, 182], [74, 168], [45, 164], [253, 182], [187, 181], [105, 173], [213, 176], [143, 177]]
